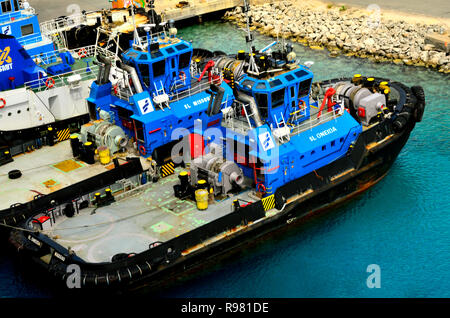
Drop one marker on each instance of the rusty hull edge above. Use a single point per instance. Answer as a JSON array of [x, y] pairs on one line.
[[206, 257], [371, 170]]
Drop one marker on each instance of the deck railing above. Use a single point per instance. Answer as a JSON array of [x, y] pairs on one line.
[[192, 90], [314, 120], [60, 80], [62, 24]]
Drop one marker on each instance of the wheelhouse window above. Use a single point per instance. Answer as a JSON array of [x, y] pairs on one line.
[[185, 60], [278, 98], [27, 29], [159, 68], [143, 69], [16, 5], [262, 102], [248, 84], [6, 6], [303, 90]]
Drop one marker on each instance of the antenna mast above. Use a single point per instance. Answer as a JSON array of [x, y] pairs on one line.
[[252, 67], [136, 40]]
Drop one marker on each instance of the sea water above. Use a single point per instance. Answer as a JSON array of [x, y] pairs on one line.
[[402, 224]]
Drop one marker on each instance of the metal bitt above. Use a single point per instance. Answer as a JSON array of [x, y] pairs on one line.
[[252, 67]]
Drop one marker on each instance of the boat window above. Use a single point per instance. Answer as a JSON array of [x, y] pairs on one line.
[[16, 5], [181, 47], [290, 78], [301, 73], [278, 98], [248, 84], [27, 29], [261, 85], [172, 61], [274, 83], [185, 59], [170, 50], [156, 54], [159, 68], [143, 57], [262, 102], [143, 69], [6, 6], [304, 88]]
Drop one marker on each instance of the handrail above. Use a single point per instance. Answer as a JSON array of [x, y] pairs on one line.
[[192, 91], [60, 80], [313, 121], [78, 53], [61, 24]]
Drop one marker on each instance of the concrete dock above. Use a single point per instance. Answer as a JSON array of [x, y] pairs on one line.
[[172, 10], [49, 9]]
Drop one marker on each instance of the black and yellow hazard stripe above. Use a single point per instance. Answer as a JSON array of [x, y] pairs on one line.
[[167, 169], [63, 134], [268, 202]]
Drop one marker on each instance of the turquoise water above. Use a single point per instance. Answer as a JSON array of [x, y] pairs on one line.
[[402, 224]]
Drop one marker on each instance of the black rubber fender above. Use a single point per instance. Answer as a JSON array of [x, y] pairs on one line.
[[420, 103], [119, 257], [14, 174], [401, 121]]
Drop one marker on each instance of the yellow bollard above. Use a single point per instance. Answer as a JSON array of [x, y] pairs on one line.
[[104, 155], [201, 196]]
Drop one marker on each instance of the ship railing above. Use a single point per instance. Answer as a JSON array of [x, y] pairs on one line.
[[31, 39], [154, 37], [234, 120], [122, 88], [194, 89], [55, 81], [315, 120], [78, 54], [121, 92], [17, 15], [62, 24]]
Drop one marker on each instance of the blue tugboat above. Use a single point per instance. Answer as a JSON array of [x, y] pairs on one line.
[[18, 19], [213, 152]]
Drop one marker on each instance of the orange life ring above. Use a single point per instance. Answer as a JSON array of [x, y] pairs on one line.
[[3, 103], [142, 150], [82, 53], [301, 104], [116, 89], [50, 82], [262, 187]]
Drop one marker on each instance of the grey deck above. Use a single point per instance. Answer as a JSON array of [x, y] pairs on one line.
[[133, 223], [40, 173]]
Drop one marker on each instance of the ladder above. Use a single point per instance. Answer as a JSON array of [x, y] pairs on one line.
[[282, 131], [160, 97], [247, 115], [59, 40]]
